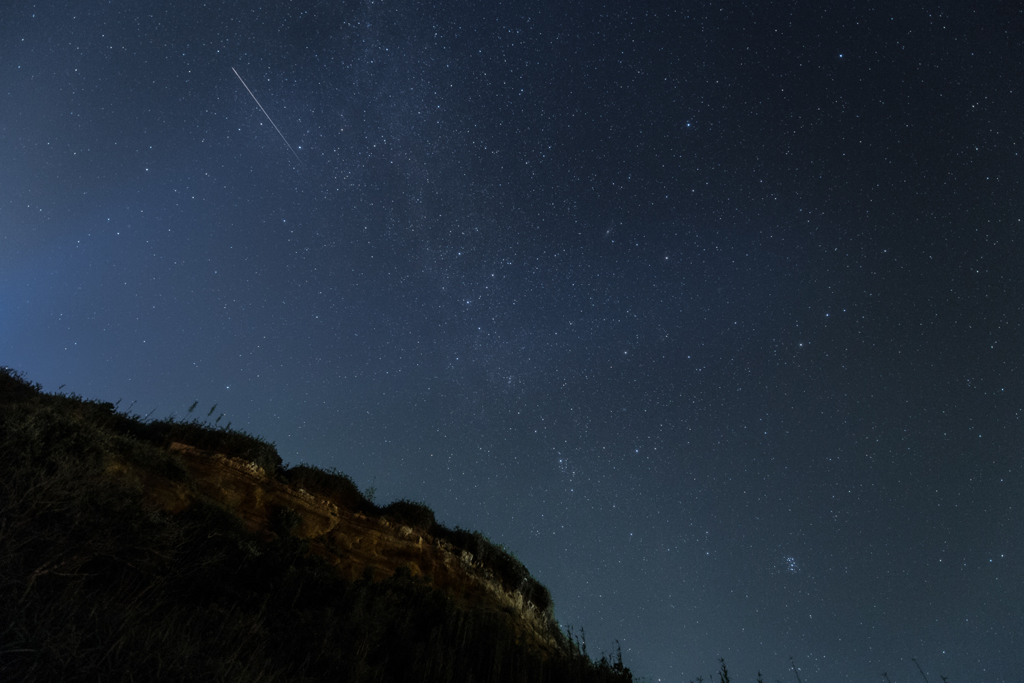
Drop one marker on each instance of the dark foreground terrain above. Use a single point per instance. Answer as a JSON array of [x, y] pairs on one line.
[[134, 550]]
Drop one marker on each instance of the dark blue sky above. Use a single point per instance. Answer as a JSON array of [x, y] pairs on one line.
[[711, 313]]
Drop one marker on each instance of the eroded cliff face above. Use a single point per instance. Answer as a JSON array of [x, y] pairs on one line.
[[350, 541]]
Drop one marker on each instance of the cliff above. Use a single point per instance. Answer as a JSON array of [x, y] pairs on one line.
[[168, 550], [351, 542]]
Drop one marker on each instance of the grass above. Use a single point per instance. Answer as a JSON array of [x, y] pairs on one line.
[[98, 584]]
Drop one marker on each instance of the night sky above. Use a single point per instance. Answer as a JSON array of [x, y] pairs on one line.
[[712, 313]]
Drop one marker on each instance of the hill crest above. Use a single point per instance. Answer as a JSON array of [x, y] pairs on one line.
[[171, 550]]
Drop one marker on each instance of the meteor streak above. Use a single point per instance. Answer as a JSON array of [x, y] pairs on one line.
[[267, 115]]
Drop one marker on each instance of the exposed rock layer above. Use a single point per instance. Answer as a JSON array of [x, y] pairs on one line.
[[352, 542]]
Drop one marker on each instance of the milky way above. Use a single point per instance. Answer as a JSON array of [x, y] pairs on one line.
[[712, 314]]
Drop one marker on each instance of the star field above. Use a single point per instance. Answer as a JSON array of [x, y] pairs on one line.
[[711, 313]]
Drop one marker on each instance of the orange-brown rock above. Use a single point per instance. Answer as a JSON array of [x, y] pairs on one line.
[[350, 541]]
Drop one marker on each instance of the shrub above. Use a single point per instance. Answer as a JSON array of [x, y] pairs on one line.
[[539, 595], [230, 442], [330, 484], [14, 387], [409, 513]]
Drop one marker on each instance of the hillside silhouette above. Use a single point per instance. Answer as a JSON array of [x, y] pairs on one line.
[[172, 550]]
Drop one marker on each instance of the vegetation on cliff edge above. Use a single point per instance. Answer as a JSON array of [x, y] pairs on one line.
[[96, 583]]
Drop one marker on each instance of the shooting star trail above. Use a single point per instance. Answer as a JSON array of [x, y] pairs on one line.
[[267, 115]]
